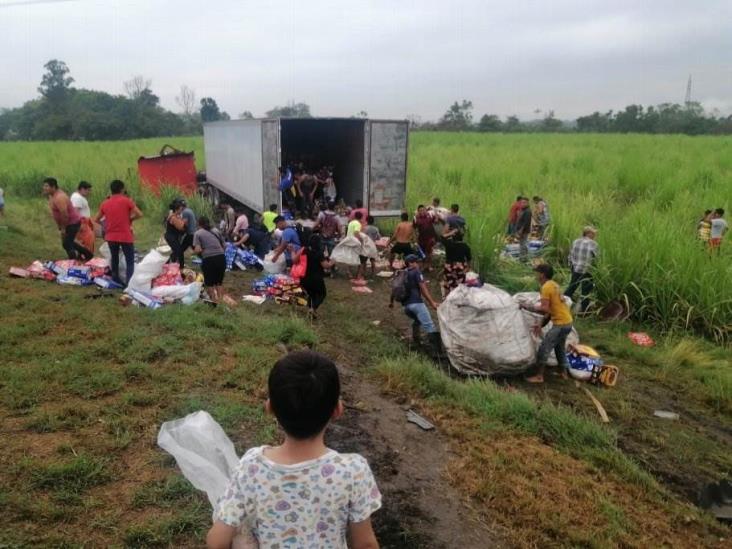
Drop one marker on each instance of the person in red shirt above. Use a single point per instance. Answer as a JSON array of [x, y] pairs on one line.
[[119, 211], [359, 208], [513, 215], [67, 219]]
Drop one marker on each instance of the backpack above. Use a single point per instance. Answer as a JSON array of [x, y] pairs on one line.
[[329, 226], [400, 286]]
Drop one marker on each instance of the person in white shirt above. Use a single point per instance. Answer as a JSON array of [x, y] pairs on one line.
[[79, 199]]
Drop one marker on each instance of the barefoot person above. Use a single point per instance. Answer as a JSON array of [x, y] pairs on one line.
[[300, 493], [554, 309]]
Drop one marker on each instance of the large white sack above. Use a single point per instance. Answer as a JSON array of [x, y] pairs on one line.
[[347, 251], [276, 267], [368, 248], [148, 269], [181, 291], [533, 299], [484, 332], [106, 254], [202, 450]]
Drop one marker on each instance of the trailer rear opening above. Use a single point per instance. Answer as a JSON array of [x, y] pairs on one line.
[[368, 157], [338, 143]]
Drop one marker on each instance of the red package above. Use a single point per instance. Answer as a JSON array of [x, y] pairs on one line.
[[641, 338], [170, 277], [66, 264], [97, 263]]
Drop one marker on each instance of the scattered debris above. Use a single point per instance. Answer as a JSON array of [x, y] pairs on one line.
[[385, 274], [362, 289], [717, 499], [376, 322], [256, 299], [641, 338], [665, 414], [598, 405], [422, 423]]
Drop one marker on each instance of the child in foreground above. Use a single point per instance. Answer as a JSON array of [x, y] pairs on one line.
[[300, 494]]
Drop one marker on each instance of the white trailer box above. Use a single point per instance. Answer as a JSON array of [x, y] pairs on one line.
[[369, 158]]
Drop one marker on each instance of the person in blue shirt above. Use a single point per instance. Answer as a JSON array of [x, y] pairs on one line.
[[289, 241], [414, 303], [286, 187]]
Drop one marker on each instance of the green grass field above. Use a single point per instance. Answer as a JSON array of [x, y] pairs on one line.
[[85, 383], [644, 193]]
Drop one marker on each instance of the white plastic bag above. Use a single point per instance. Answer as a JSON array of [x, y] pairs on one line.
[[186, 293], [484, 332], [368, 248], [149, 268], [276, 267], [106, 254], [347, 251], [202, 450], [207, 458], [533, 299]]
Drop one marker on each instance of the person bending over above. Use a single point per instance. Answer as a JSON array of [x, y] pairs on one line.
[[553, 308]]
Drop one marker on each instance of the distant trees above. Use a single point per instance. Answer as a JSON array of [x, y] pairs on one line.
[[55, 83], [291, 110], [65, 112], [489, 123], [689, 119], [459, 117]]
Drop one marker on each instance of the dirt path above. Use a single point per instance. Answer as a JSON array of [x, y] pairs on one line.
[[420, 508]]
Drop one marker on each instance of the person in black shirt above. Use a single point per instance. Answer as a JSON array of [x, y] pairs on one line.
[[314, 280], [523, 229], [457, 263]]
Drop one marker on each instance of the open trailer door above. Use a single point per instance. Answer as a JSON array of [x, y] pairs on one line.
[[270, 162], [387, 167]]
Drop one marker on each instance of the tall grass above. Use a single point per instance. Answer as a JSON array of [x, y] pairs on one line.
[[644, 193]]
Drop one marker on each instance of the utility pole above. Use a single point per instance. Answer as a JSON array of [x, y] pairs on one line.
[[687, 101]]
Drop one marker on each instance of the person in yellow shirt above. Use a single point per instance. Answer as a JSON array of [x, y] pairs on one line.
[[554, 309], [269, 216]]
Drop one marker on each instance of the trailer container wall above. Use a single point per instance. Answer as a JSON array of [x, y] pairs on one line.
[[234, 159], [388, 143], [270, 162]]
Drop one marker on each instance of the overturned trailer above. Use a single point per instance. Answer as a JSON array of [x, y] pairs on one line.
[[369, 158]]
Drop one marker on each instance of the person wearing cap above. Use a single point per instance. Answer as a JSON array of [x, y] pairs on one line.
[[583, 253], [191, 227], [414, 303], [289, 241], [555, 310]]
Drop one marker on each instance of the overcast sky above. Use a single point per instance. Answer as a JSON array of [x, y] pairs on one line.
[[389, 58]]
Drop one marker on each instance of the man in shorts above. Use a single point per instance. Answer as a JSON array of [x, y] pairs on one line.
[[402, 239]]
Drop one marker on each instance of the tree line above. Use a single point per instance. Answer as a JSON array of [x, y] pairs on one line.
[[63, 112], [690, 119]]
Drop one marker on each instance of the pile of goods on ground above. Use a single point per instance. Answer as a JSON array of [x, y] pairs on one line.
[[155, 282], [280, 288]]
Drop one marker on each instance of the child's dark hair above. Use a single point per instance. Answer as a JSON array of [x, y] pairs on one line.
[[405, 216], [304, 389], [370, 220]]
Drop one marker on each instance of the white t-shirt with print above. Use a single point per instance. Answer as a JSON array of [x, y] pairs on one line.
[[306, 505]]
